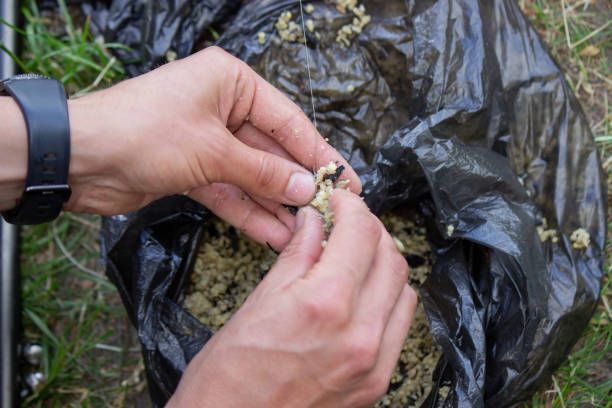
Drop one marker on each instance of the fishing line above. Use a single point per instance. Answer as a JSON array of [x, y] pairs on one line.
[[314, 113]]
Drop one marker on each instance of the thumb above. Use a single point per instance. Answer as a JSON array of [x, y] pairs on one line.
[[267, 175], [300, 255]]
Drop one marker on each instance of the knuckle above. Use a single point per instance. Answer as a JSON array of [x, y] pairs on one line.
[[399, 267], [337, 302], [412, 295], [362, 352], [368, 224], [376, 387], [215, 51], [294, 253], [246, 219], [266, 171], [222, 196], [327, 307], [339, 312], [314, 309]]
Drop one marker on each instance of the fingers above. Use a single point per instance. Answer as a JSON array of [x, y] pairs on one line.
[[279, 118], [244, 96], [299, 256], [253, 137], [383, 285], [388, 352], [352, 244], [279, 211], [377, 305], [263, 174], [395, 333], [231, 204]]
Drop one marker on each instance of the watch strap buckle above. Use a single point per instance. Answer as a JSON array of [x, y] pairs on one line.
[[63, 190]]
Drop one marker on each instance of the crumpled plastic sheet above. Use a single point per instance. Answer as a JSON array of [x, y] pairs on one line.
[[151, 28], [458, 109]]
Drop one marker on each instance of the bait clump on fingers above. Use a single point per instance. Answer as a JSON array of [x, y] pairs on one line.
[[326, 179]]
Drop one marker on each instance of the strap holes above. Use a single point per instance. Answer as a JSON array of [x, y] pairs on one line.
[[44, 206], [50, 156], [47, 181], [49, 170]]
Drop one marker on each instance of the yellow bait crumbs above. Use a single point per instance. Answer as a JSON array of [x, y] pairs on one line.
[[580, 239], [348, 32], [547, 234], [287, 29], [310, 25], [171, 55], [227, 268], [326, 181], [410, 240], [290, 31], [342, 5], [261, 38], [229, 265]]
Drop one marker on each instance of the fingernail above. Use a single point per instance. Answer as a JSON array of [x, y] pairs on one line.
[[300, 218], [301, 188]]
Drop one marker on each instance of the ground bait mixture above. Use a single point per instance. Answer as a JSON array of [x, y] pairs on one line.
[[326, 180], [291, 30], [229, 265], [227, 268]]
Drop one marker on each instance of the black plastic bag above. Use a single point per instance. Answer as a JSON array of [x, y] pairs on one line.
[[455, 107], [152, 28]]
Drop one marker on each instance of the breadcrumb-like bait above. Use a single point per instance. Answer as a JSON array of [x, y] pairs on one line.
[[326, 180]]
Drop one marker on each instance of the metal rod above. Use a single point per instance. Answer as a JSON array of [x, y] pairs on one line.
[[9, 316], [8, 11], [9, 238]]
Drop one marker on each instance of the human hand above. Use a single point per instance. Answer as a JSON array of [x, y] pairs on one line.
[[324, 328], [207, 125]]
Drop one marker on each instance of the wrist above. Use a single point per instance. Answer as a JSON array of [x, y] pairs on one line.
[[90, 159], [13, 153], [86, 159]]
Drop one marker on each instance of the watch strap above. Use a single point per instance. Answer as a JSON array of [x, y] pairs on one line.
[[45, 110]]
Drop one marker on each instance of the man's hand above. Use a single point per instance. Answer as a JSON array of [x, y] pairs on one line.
[[324, 328], [208, 126]]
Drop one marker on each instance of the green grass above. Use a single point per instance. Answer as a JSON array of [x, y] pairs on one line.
[[71, 309], [74, 57], [586, 377], [90, 355], [579, 34]]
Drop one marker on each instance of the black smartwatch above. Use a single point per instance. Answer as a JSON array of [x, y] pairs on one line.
[[45, 110]]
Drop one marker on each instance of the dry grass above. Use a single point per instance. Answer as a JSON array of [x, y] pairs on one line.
[[579, 34]]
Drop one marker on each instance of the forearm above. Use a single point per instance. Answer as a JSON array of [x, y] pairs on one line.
[[13, 153]]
